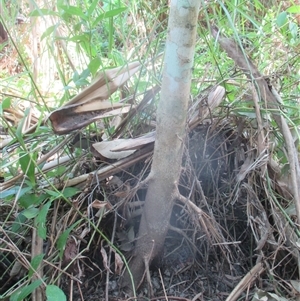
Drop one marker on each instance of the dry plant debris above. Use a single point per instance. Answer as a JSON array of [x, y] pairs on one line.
[[227, 234], [230, 236]]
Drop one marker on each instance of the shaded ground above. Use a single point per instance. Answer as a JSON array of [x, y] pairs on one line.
[[225, 225], [205, 256]]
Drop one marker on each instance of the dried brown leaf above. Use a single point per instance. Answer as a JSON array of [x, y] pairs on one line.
[[101, 204], [104, 149], [104, 258], [70, 252], [118, 264], [68, 119], [136, 143], [92, 103]]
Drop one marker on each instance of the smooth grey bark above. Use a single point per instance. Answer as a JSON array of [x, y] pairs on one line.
[[170, 137]]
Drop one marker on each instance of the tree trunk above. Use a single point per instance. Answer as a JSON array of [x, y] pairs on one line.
[[170, 137]]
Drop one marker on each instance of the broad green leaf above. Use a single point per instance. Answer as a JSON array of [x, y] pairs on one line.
[[6, 102], [62, 240], [109, 14], [40, 220], [54, 293], [78, 27], [85, 73], [52, 193], [281, 19], [94, 65], [25, 291], [30, 212], [18, 223], [28, 165], [75, 76], [15, 191], [28, 200], [69, 192], [81, 82], [295, 9], [35, 262], [293, 27], [80, 79], [25, 161]]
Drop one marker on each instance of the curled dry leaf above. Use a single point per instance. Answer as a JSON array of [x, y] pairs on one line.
[[70, 252], [124, 192], [104, 149], [92, 103], [215, 97], [101, 204], [122, 148], [104, 258], [118, 264], [17, 269], [136, 143], [74, 117]]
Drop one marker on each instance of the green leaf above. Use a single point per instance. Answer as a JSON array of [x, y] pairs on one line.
[[54, 293], [81, 82], [295, 9], [80, 79], [48, 31], [15, 191], [92, 8], [30, 212], [85, 74], [281, 19], [24, 160], [293, 27], [40, 220], [18, 132], [43, 12], [62, 240], [28, 165], [80, 38], [94, 65], [28, 200], [18, 223], [6, 102], [35, 262], [109, 14], [69, 192], [73, 10], [59, 171], [52, 193], [25, 291]]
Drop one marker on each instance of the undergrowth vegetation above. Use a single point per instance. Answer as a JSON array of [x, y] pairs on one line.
[[70, 209]]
